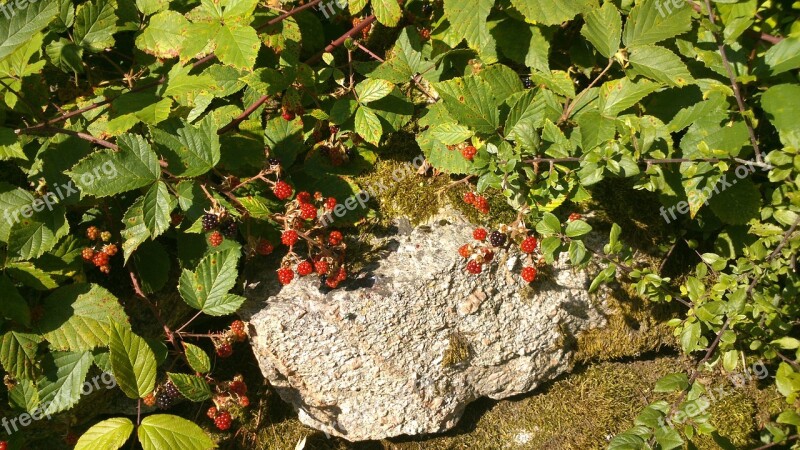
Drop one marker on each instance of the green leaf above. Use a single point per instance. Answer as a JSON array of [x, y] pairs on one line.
[[503, 81], [467, 19], [471, 102], [9, 145], [577, 252], [32, 236], [66, 55], [523, 43], [107, 173], [163, 37], [405, 60], [387, 12], [439, 156], [649, 22], [627, 441], [549, 225], [18, 29], [24, 395], [668, 438], [164, 431], [782, 104], [135, 232], [673, 382], [578, 228], [78, 317], [690, 337], [786, 343], [18, 353], [618, 95], [197, 357], [152, 265], [784, 56], [133, 362], [237, 45], [285, 139], [659, 64], [95, 25], [64, 373], [737, 204], [603, 28], [192, 387], [549, 12], [157, 205], [207, 287], [110, 434], [373, 89], [368, 126], [150, 7]]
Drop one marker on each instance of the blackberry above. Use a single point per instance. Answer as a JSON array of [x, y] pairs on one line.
[[526, 81], [171, 390], [427, 9], [210, 221], [274, 162], [163, 400], [497, 239], [229, 228]]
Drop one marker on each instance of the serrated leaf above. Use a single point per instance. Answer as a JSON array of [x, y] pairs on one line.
[[78, 317], [387, 12], [32, 237], [13, 306], [603, 28], [467, 19], [649, 22], [784, 56], [192, 387], [577, 228], [152, 265], [471, 102], [189, 150], [135, 232], [405, 60], [549, 12], [163, 37], [738, 203], [164, 431], [157, 204], [110, 434], [197, 357], [10, 146], [368, 125], [207, 287], [549, 225], [782, 104], [133, 362], [373, 89], [673, 382], [95, 25], [237, 45], [61, 385], [18, 353], [17, 29], [135, 165], [24, 395], [65, 55], [618, 95], [660, 64]]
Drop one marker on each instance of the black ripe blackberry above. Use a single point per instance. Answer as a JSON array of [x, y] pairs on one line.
[[526, 81], [210, 221], [275, 162], [163, 400], [171, 390], [497, 239], [427, 9], [229, 228]]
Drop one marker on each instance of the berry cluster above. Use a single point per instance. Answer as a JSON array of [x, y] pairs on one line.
[[221, 224], [478, 201], [101, 251], [166, 396], [229, 394], [482, 252], [469, 152]]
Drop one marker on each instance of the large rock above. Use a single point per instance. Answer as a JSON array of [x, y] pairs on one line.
[[403, 349]]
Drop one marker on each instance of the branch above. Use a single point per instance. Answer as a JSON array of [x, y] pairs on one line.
[[571, 105], [665, 161], [49, 131], [736, 91]]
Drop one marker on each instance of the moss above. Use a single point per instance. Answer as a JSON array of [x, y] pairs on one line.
[[458, 351]]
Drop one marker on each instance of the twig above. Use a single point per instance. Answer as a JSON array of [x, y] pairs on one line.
[[735, 85], [369, 52], [78, 134], [775, 444], [570, 105]]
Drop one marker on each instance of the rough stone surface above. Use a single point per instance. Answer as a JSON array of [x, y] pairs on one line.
[[405, 347]]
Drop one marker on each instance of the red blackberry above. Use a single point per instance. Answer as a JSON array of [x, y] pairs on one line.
[[106, 269], [469, 198], [244, 402], [469, 152], [335, 238], [212, 412], [149, 399], [425, 33], [223, 420], [482, 205], [488, 255], [303, 197], [288, 115], [305, 268], [308, 211], [215, 239], [210, 221], [342, 275], [285, 275], [474, 267], [110, 249], [3, 445], [100, 259], [465, 251], [479, 234], [92, 233], [321, 267], [332, 283], [330, 203], [87, 254], [237, 327], [529, 274], [289, 238], [238, 386], [229, 228], [497, 239], [529, 244], [176, 218], [282, 190], [574, 216], [264, 247], [224, 350]]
